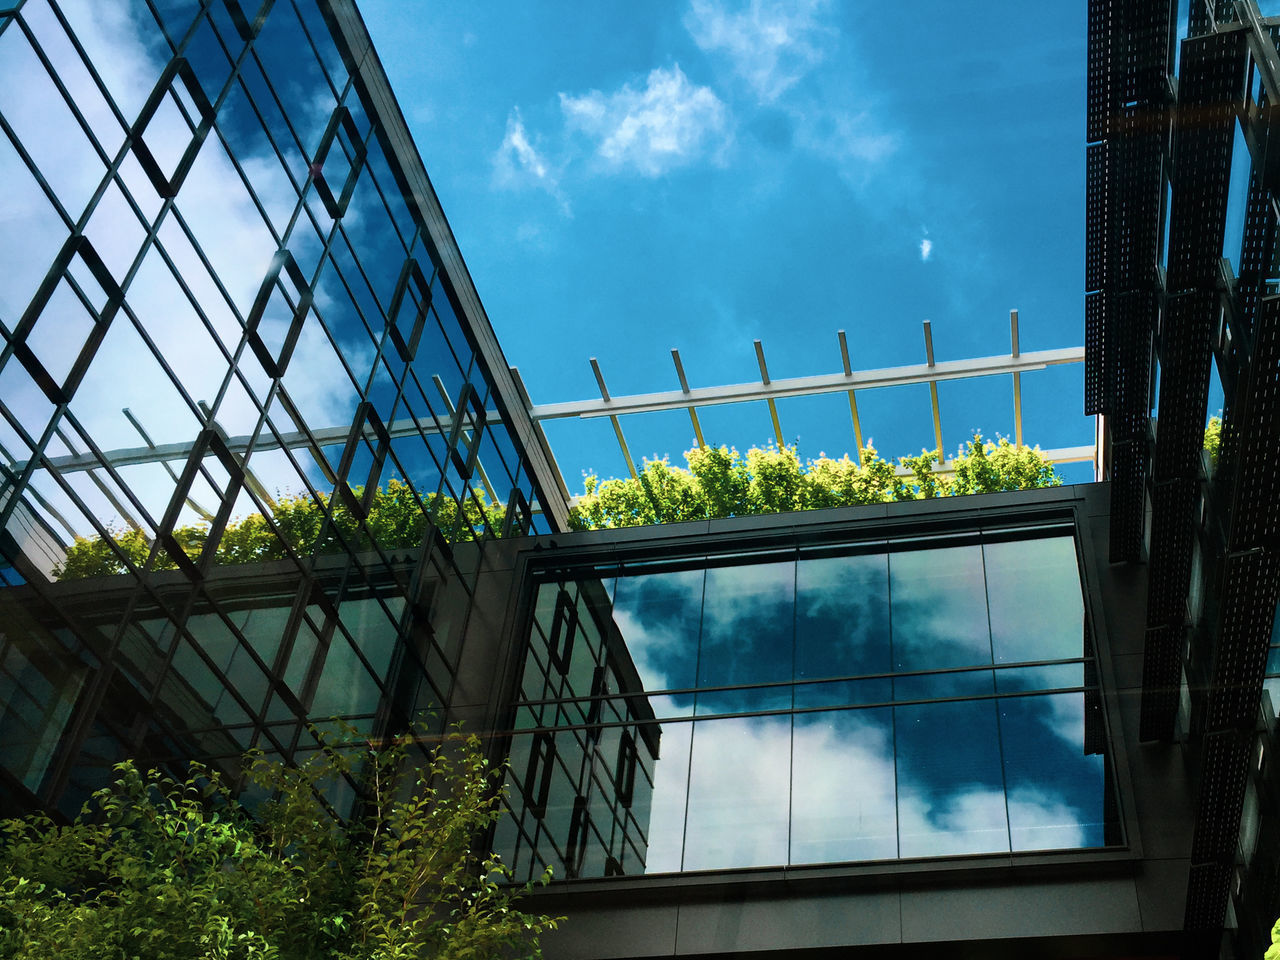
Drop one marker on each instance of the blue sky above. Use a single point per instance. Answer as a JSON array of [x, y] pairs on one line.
[[627, 178]]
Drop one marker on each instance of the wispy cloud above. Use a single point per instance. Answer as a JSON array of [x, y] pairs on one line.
[[518, 161], [771, 45], [926, 249], [668, 123]]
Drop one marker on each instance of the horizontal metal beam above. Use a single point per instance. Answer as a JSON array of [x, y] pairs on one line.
[[1083, 454], [169, 452], [807, 386]]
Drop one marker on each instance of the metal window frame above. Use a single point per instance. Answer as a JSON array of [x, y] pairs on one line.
[[167, 186]]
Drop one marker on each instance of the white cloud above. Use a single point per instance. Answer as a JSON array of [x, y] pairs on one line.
[[516, 144], [926, 248], [850, 139], [771, 45], [668, 123], [518, 162]]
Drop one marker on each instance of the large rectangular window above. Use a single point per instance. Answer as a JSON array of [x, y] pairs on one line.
[[866, 701]]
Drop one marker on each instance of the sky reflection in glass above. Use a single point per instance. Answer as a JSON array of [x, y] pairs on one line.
[[871, 706]]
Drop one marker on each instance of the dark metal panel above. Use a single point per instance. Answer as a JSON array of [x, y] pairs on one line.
[[1255, 512], [1127, 389], [1184, 385], [1224, 765], [1161, 681], [1097, 220], [1129, 379], [1138, 156], [1248, 605], [1257, 252], [1172, 538], [1147, 59], [1128, 59], [1095, 352], [1211, 80], [1103, 41], [1128, 500], [1207, 887]]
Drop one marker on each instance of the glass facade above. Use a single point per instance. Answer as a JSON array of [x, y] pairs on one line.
[[245, 420], [869, 701]]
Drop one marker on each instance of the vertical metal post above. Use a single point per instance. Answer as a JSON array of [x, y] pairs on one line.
[[684, 388], [617, 427], [853, 401], [773, 407], [1017, 381], [542, 434], [933, 387]]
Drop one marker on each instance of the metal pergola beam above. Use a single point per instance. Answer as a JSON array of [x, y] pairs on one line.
[[806, 386]]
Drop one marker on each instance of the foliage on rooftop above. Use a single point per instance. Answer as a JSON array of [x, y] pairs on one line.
[[396, 520], [718, 482], [721, 482]]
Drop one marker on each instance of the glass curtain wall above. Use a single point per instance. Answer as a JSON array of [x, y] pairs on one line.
[[875, 701], [238, 395]]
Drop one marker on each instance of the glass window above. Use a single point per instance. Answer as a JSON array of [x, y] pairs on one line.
[[843, 787], [737, 800], [938, 608], [869, 702], [1037, 612]]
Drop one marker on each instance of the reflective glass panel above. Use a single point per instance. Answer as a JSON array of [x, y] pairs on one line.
[[866, 703]]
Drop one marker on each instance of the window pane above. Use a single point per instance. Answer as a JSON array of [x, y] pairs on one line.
[[663, 829], [1037, 612], [842, 616], [738, 791], [950, 785], [938, 608], [657, 615], [843, 787], [748, 618], [1056, 789]]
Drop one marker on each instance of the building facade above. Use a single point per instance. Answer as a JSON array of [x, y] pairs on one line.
[[264, 472], [250, 401]]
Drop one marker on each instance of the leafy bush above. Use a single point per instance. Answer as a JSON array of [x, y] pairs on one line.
[[721, 482], [155, 868], [1213, 439], [395, 521]]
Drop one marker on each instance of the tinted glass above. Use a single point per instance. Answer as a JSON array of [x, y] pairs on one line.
[[865, 704]]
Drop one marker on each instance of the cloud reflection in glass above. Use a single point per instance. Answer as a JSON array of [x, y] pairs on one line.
[[877, 702]]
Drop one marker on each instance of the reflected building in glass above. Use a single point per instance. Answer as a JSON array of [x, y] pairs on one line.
[[264, 472]]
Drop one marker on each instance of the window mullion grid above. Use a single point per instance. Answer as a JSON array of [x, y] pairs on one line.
[[62, 90], [779, 711], [168, 38], [373, 294], [324, 72], [248, 187], [87, 63], [158, 245], [284, 114], [213, 274]]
